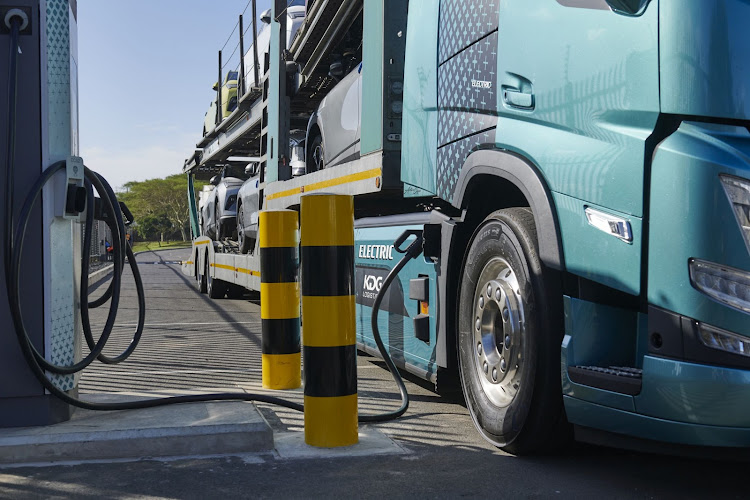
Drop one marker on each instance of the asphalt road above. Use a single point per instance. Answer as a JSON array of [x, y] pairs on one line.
[[193, 342]]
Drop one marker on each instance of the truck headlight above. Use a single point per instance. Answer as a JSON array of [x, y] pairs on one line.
[[723, 340], [738, 192], [724, 284]]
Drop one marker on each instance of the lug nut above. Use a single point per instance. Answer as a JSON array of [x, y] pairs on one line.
[[506, 314], [479, 348], [498, 294], [481, 302], [503, 366], [494, 374], [489, 290], [486, 367], [507, 341], [479, 324]]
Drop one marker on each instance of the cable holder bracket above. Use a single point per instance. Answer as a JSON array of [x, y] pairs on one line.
[[73, 202]]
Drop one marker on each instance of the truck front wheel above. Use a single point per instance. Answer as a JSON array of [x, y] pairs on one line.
[[509, 336]]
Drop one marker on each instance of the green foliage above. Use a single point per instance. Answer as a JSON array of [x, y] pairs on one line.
[[160, 207]]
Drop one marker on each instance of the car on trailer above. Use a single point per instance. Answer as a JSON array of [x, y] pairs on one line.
[[228, 102], [220, 209]]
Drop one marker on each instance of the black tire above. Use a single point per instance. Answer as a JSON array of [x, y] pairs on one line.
[[316, 155], [510, 363], [244, 241], [203, 279], [216, 287]]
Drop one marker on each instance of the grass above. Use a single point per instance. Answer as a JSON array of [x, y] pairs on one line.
[[141, 246]]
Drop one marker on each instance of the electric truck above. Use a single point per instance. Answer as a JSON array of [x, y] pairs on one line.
[[580, 174]]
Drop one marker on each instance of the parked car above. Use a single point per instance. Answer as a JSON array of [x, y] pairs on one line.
[[220, 210], [228, 101], [295, 13], [247, 209], [333, 133]]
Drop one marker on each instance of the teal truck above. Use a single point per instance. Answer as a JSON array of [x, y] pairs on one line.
[[580, 173]]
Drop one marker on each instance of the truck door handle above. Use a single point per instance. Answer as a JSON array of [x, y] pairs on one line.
[[517, 99]]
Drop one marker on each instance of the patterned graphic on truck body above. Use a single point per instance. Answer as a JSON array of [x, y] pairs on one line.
[[467, 84]]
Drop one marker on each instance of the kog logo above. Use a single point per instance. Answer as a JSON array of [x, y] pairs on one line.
[[373, 283]]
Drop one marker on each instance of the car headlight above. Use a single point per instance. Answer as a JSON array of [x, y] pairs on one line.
[[738, 192], [724, 284], [230, 202]]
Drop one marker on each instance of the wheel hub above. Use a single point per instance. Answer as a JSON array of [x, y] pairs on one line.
[[498, 325]]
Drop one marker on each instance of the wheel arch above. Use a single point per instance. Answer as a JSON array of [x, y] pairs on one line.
[[514, 173]]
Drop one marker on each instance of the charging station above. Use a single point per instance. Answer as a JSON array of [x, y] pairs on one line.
[[42, 130]]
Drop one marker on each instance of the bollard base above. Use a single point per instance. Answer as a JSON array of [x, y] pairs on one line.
[[331, 422]]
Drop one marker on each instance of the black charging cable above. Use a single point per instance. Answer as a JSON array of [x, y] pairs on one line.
[[413, 251]]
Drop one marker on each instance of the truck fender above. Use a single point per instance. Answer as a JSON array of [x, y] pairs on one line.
[[527, 178]]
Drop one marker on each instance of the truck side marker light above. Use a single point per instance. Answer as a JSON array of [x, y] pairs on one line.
[[724, 284], [610, 224]]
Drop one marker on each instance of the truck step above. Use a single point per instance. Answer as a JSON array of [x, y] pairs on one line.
[[622, 379]]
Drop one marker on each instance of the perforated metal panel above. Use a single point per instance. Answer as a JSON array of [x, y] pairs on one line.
[[64, 235]]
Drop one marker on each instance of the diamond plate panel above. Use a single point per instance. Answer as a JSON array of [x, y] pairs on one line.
[[451, 158], [463, 22]]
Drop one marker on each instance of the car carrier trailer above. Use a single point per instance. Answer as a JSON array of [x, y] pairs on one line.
[[580, 171]]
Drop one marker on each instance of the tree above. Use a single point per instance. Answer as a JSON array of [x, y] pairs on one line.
[[160, 206]]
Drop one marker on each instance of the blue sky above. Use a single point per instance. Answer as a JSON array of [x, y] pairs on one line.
[[146, 68]]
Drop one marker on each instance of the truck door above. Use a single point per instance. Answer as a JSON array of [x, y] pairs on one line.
[[578, 96]]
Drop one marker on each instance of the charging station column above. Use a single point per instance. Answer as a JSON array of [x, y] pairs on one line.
[[46, 131]]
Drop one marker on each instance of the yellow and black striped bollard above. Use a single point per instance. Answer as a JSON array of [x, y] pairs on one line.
[[280, 299], [329, 329]]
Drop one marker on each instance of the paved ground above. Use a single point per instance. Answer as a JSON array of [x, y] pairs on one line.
[[193, 342]]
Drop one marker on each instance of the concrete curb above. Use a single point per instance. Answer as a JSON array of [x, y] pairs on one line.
[[100, 275], [191, 429]]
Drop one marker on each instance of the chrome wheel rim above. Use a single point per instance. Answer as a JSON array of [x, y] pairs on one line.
[[498, 331]]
